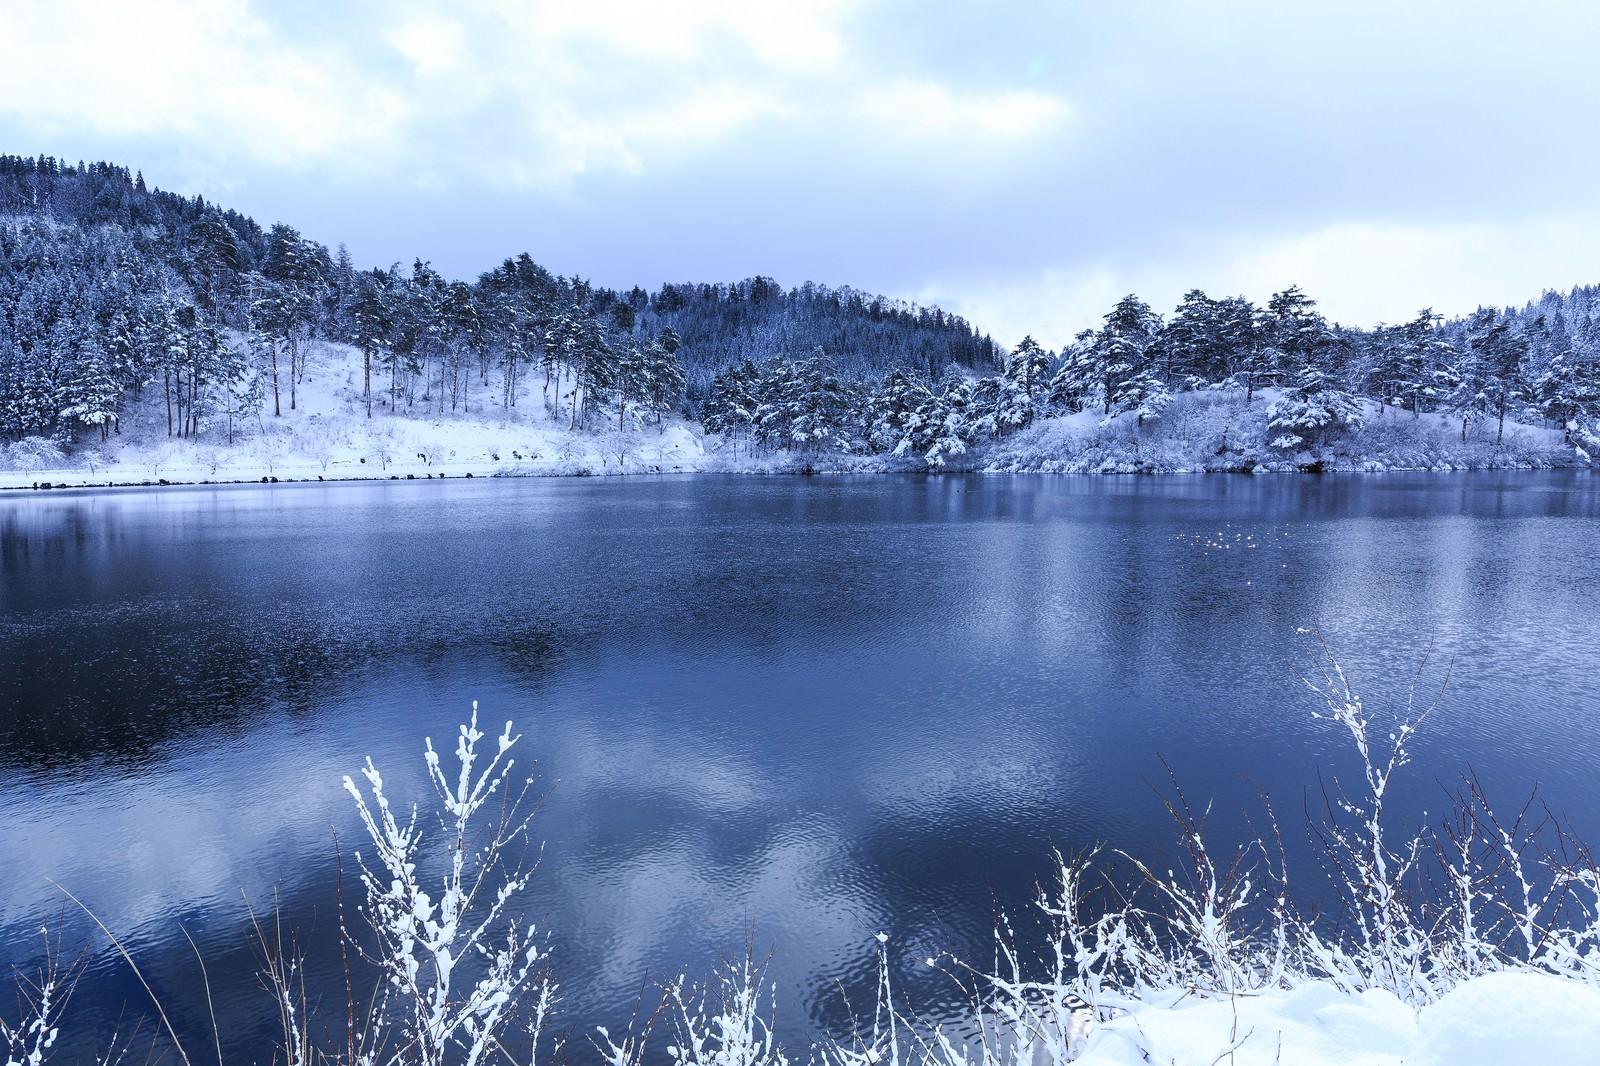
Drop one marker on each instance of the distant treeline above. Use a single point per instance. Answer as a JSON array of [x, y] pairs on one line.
[[109, 288]]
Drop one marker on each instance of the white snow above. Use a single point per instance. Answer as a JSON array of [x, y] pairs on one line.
[[328, 436], [1499, 1019]]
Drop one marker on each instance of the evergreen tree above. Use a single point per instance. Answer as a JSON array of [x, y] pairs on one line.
[[805, 407], [371, 318], [1128, 378], [731, 406], [1312, 413], [1498, 350], [1197, 343], [662, 379], [895, 412]]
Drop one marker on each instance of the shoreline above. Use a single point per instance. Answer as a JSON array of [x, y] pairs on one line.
[[777, 468]]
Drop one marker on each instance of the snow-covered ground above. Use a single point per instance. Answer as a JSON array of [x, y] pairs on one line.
[[1498, 1019], [328, 436], [1216, 430]]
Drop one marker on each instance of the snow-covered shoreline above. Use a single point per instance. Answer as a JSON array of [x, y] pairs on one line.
[[328, 437]]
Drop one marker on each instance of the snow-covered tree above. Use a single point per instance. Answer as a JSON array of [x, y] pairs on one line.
[[1495, 383], [1312, 413], [662, 383], [805, 407], [1121, 353]]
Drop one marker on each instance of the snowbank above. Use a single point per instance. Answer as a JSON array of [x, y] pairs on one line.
[[1495, 1020]]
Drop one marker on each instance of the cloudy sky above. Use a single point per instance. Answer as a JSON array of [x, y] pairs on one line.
[[1022, 163]]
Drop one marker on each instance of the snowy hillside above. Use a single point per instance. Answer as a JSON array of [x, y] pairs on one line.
[[328, 436]]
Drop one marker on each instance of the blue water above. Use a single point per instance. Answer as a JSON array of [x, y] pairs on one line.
[[793, 711]]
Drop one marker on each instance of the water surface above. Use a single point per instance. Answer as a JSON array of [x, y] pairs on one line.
[[802, 710]]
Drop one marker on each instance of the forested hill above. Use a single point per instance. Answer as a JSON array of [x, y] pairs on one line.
[[865, 336], [108, 284], [112, 292]]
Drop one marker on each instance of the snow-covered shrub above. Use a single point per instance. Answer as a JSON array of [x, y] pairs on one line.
[[1585, 441], [722, 1023], [1312, 415], [1421, 916], [91, 459], [1384, 941], [458, 967], [41, 999], [1206, 430], [1395, 440], [32, 454], [1420, 913]]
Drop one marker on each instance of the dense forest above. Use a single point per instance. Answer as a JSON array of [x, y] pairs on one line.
[[109, 287], [111, 290]]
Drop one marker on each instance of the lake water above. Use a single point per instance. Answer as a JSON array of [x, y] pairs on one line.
[[800, 711]]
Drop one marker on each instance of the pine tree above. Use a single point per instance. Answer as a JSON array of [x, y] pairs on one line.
[[1197, 343], [1498, 350], [1312, 413], [371, 317], [663, 378], [896, 409], [1121, 354], [1073, 386]]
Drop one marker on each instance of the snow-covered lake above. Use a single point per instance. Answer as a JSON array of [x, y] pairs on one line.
[[813, 708]]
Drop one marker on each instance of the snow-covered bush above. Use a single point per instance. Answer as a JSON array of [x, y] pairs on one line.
[[728, 1021], [459, 969], [33, 454], [1419, 915], [1394, 440], [1312, 415], [41, 999], [1585, 441]]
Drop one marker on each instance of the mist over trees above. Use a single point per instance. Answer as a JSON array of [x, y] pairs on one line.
[[111, 290]]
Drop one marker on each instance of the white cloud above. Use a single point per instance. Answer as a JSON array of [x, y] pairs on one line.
[[1363, 272], [790, 36], [1376, 163], [1360, 273], [209, 70], [931, 109], [503, 91], [1052, 304], [434, 46]]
